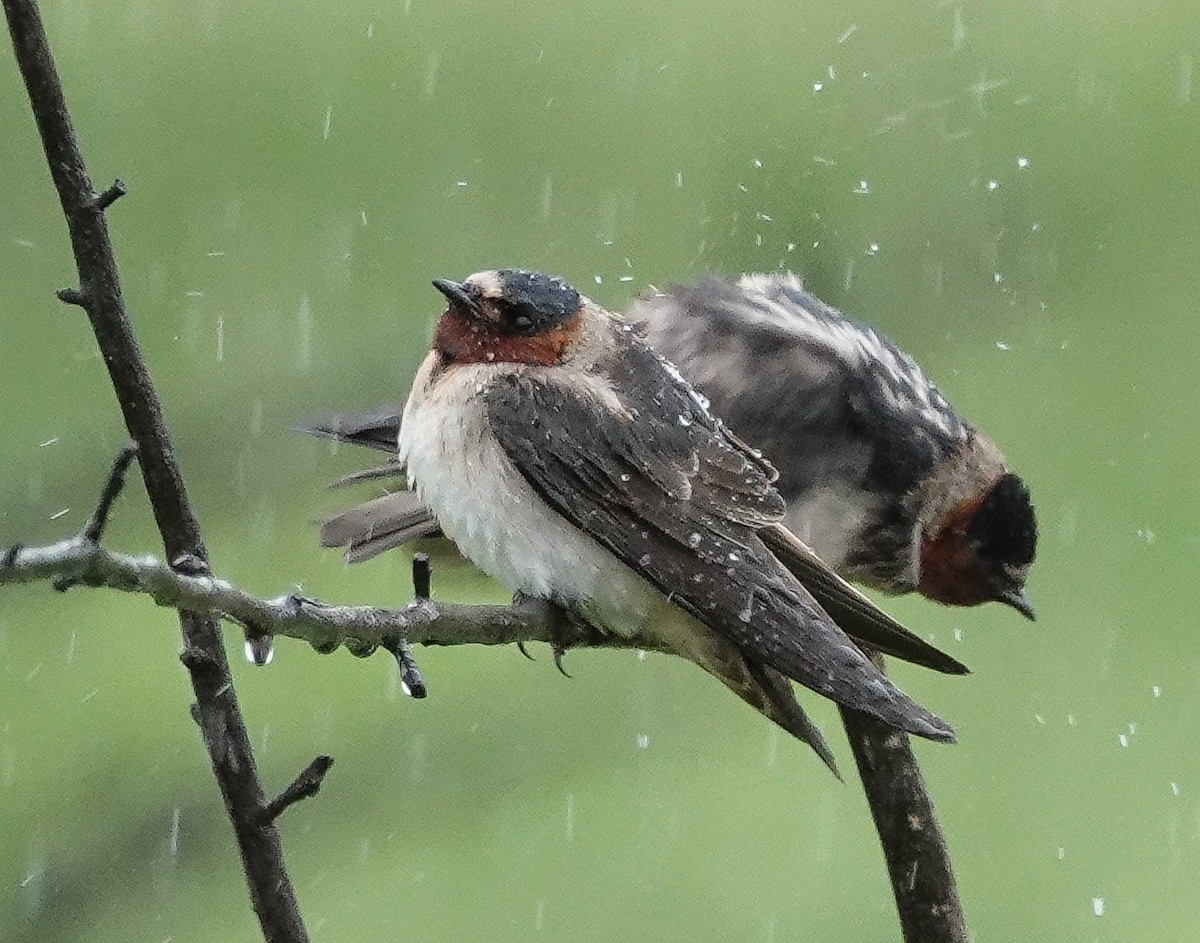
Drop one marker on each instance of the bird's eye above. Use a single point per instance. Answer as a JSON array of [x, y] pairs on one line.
[[516, 318]]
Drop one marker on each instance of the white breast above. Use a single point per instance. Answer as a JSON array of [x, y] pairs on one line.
[[497, 520]]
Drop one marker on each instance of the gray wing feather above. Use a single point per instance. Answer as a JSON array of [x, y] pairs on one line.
[[828, 397]]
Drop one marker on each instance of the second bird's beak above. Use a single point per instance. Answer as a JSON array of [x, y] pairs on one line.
[[1017, 599], [457, 295]]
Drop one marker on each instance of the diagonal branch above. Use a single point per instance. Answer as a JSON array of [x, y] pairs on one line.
[[914, 847], [99, 294]]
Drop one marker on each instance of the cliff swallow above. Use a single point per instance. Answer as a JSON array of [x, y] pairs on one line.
[[881, 476], [572, 463]]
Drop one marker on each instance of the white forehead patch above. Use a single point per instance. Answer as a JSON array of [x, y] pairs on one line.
[[489, 284]]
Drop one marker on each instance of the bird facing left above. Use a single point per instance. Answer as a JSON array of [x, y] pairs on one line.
[[571, 463]]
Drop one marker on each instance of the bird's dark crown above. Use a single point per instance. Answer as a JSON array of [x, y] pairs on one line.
[[523, 302], [1003, 529]]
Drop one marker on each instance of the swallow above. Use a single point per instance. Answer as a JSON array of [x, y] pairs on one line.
[[572, 463], [880, 475]]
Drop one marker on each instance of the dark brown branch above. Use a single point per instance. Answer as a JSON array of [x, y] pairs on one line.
[[308, 783], [918, 861], [100, 295], [110, 196], [112, 488]]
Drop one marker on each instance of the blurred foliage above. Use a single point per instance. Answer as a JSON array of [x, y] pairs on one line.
[[1009, 189]]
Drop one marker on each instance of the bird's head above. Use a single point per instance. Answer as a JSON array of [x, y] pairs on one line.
[[508, 316], [981, 548]]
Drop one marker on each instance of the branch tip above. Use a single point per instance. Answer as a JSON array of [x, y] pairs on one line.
[[196, 659], [308, 783], [411, 679], [110, 196], [112, 489], [72, 296]]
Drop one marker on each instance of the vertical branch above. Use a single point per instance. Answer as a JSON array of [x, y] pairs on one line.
[[918, 861], [99, 294]]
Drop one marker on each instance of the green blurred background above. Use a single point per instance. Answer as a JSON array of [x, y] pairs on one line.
[[1009, 189]]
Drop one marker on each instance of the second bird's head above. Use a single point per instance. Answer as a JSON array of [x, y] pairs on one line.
[[508, 316]]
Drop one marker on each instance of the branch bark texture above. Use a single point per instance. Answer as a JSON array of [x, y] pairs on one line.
[[918, 861], [99, 294]]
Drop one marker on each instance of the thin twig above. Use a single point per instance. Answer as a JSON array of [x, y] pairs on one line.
[[99, 293], [308, 783], [112, 488]]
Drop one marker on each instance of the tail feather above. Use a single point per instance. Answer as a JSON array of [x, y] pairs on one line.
[[378, 429], [763, 688], [386, 522]]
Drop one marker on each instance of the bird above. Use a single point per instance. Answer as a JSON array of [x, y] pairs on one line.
[[881, 476], [572, 463]]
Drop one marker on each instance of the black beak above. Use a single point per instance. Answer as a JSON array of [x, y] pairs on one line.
[[457, 295], [1016, 598]]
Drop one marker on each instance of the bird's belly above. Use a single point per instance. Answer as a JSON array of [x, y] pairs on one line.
[[828, 519], [499, 522]]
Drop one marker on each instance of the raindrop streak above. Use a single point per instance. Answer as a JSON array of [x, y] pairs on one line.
[[304, 335], [547, 196], [1098, 906], [220, 339], [643, 741], [57, 514], [173, 846], [328, 123], [1185, 79], [431, 74], [541, 914], [571, 817]]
